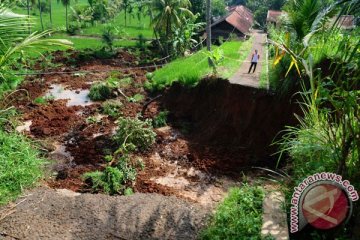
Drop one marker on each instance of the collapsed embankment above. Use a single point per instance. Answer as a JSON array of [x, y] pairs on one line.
[[232, 119]]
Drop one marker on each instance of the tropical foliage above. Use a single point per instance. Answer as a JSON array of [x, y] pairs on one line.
[[326, 61]]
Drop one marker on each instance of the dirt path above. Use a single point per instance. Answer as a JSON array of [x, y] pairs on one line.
[[63, 214], [241, 76]]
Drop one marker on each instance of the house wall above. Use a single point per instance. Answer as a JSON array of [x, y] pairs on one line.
[[224, 30]]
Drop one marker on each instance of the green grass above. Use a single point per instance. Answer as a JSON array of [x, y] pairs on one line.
[[238, 217], [58, 15], [133, 28], [264, 74], [20, 165], [83, 43], [189, 70]]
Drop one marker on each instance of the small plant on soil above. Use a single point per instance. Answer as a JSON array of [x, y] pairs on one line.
[[111, 108], [134, 134], [125, 82], [114, 179], [100, 92], [161, 119], [43, 100], [136, 98], [92, 120]]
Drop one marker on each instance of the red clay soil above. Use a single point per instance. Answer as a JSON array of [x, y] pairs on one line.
[[224, 132], [54, 118]]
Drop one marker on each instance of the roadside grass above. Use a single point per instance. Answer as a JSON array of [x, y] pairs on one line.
[[235, 58], [264, 74], [20, 166], [133, 29], [239, 216], [190, 70]]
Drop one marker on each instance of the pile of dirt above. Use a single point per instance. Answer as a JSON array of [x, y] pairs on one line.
[[54, 118], [233, 123], [62, 214]]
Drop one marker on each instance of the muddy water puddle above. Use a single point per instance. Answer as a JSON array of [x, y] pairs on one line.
[[78, 97]]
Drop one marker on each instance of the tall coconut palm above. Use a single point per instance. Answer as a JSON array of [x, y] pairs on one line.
[[15, 38], [41, 19], [66, 3], [50, 12], [168, 14], [126, 4]]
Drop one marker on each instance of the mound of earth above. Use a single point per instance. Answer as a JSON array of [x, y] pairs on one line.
[[63, 214]]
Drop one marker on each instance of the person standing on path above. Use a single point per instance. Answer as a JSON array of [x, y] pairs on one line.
[[254, 60]]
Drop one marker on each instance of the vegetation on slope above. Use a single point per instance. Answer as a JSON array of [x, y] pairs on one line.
[[21, 165], [239, 216], [190, 70]]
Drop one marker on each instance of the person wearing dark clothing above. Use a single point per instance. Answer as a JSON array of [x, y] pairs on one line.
[[254, 60]]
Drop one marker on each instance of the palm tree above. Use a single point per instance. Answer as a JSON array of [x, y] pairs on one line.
[[15, 38], [41, 19], [168, 14], [302, 14], [125, 5], [50, 12], [66, 3]]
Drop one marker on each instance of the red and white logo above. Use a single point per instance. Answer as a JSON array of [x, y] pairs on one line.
[[325, 206]]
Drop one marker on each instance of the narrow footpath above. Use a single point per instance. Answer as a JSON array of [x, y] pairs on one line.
[[242, 76]]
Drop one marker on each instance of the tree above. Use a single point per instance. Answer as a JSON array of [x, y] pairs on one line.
[[198, 7], [41, 19], [302, 14], [168, 15], [66, 3], [125, 5], [50, 12], [218, 8]]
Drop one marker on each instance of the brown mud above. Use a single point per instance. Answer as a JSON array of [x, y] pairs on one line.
[[216, 130]]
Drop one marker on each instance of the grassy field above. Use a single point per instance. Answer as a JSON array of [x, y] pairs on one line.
[[190, 70], [133, 29], [84, 42]]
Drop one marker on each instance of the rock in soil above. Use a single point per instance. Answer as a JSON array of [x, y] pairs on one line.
[[63, 214]]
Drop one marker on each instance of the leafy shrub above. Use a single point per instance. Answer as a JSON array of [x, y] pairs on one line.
[[113, 180], [160, 119], [141, 42], [108, 36], [20, 165], [74, 28], [149, 75], [136, 98], [125, 82], [43, 100], [239, 216], [100, 92], [111, 108], [139, 134]]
